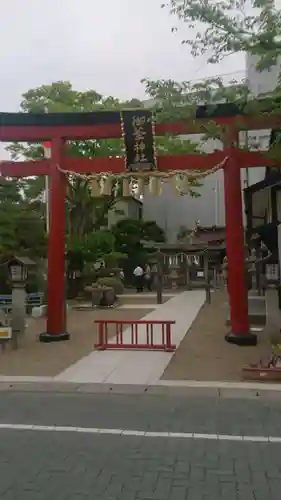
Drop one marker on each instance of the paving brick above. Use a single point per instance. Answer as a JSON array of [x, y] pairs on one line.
[[197, 474], [195, 494], [245, 492], [263, 493], [76, 466], [275, 488], [228, 491], [178, 493]]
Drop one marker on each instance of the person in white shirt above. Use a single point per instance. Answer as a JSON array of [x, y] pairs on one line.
[[139, 277]]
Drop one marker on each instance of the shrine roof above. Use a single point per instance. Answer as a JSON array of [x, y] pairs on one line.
[[181, 247], [209, 235]]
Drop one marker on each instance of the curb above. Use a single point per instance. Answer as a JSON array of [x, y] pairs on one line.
[[161, 388]]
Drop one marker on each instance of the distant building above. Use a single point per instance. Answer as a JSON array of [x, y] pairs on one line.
[[264, 189], [263, 197], [125, 208], [171, 210]]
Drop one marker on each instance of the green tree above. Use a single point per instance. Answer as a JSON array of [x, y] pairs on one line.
[[183, 233], [220, 28], [130, 234], [217, 29], [21, 227], [130, 237], [85, 213], [93, 247], [9, 211], [179, 101]]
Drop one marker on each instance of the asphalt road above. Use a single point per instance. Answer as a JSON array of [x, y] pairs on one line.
[[43, 465]]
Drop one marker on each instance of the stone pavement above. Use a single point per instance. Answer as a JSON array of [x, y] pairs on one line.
[[147, 295], [74, 465], [138, 367]]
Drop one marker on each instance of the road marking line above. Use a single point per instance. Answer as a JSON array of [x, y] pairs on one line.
[[256, 439], [197, 435], [126, 432], [274, 439], [136, 433], [230, 437]]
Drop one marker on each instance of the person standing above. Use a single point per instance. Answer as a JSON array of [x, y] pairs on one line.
[[139, 277], [147, 277]]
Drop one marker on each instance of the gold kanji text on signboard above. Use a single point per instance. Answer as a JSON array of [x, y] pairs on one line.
[[139, 134]]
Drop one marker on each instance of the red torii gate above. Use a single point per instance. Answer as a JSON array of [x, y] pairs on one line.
[[60, 127]]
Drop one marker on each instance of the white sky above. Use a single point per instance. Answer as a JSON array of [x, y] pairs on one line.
[[103, 45]]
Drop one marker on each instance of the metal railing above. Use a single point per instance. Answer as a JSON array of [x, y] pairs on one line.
[[34, 299]]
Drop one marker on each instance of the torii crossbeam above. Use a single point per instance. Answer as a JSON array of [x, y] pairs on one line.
[[60, 127]]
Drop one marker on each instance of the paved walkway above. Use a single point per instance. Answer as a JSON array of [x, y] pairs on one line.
[[146, 295], [138, 367], [139, 306], [138, 447]]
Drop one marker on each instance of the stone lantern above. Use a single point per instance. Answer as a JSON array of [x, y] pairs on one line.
[[19, 268]]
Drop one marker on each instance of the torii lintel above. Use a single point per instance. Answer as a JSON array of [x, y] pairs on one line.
[[244, 159]]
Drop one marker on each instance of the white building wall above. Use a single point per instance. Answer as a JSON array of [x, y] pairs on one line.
[[172, 211], [260, 82], [128, 208]]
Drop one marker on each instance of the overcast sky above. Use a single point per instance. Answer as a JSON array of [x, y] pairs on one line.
[[106, 45]]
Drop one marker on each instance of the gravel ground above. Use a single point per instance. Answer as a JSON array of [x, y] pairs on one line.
[[36, 359], [205, 355]]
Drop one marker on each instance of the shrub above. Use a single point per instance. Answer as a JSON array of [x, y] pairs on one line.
[[5, 285], [88, 278], [37, 280], [115, 283], [103, 272]]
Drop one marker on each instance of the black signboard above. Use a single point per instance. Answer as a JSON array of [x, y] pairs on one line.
[[138, 133]]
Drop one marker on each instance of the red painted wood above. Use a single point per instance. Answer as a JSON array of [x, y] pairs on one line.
[[24, 168], [56, 321], [154, 347], [135, 322], [116, 165], [235, 247], [168, 162], [41, 134]]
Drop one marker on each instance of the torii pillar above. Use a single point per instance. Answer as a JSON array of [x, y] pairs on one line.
[[240, 333], [56, 321]]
